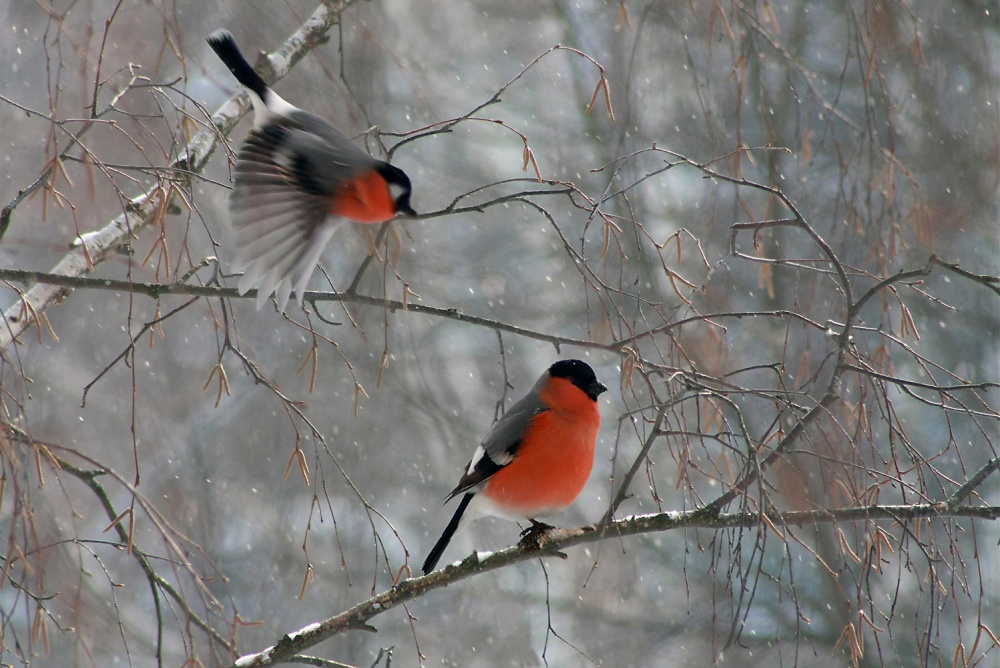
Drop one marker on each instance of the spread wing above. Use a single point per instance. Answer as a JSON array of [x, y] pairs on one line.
[[286, 175]]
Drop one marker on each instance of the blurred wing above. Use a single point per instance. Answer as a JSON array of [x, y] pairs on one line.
[[500, 446], [281, 223]]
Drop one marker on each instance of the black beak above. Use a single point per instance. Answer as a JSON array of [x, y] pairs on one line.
[[595, 389]]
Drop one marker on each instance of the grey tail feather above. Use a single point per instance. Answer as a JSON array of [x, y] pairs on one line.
[[224, 45], [449, 531]]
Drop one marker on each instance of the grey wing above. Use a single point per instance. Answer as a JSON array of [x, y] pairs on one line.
[[505, 436], [281, 229], [319, 155], [500, 446]]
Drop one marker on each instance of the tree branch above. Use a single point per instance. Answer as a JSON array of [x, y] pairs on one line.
[[972, 483], [554, 541], [156, 290]]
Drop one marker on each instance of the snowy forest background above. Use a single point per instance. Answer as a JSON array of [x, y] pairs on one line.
[[770, 227]]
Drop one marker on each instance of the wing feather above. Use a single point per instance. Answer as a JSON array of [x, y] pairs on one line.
[[500, 446], [287, 173]]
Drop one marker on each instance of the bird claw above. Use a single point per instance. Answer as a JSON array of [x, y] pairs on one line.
[[535, 530], [533, 538]]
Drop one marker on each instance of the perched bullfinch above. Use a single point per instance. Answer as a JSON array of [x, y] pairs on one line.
[[297, 178], [538, 456]]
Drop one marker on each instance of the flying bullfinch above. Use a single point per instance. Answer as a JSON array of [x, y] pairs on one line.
[[538, 456], [297, 178]]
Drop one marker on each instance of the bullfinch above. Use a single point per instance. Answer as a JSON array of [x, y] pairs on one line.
[[297, 177], [536, 458]]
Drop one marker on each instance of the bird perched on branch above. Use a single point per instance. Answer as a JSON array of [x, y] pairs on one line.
[[297, 178], [536, 458]]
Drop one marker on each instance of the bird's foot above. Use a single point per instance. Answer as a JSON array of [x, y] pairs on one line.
[[536, 529], [533, 538]]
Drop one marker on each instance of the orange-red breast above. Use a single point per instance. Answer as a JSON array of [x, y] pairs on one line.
[[538, 456], [297, 178]]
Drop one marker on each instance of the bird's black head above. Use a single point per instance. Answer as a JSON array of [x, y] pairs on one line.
[[399, 187], [580, 374]]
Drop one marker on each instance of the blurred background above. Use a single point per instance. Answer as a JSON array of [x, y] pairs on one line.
[[877, 119]]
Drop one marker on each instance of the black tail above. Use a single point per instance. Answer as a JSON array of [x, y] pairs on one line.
[[223, 43], [449, 531]]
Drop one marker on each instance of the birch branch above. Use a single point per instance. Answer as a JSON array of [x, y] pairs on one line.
[[552, 542]]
